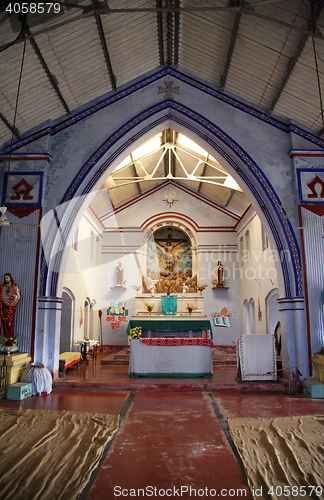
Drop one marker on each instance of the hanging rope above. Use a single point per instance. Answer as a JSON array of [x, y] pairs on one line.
[[318, 82], [15, 118]]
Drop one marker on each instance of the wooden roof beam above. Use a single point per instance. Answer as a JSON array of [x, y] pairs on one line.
[[104, 46], [293, 60], [176, 33], [231, 46], [160, 31], [12, 129], [41, 59]]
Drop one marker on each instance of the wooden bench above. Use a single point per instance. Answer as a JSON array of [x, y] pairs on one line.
[[68, 359]]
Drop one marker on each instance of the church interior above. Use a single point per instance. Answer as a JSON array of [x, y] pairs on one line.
[[161, 236]]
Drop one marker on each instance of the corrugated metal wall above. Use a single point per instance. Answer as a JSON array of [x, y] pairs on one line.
[[314, 253], [18, 257]]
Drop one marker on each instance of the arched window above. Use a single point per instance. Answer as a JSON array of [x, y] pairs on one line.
[[247, 318], [247, 252], [252, 315]]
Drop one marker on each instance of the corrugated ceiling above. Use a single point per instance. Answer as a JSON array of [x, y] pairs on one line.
[[261, 51]]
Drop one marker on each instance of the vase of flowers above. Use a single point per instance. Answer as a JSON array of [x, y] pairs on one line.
[[168, 287], [150, 307], [201, 288], [137, 288], [7, 345], [135, 333], [190, 308]]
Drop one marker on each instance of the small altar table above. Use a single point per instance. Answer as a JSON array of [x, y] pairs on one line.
[[176, 357], [171, 324]]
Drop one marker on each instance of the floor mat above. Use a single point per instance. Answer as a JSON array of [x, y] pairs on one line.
[[50, 454], [282, 457]]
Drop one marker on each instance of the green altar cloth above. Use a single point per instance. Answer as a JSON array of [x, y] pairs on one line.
[[171, 324], [169, 304]]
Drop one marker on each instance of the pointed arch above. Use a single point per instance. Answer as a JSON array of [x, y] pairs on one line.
[[239, 164]]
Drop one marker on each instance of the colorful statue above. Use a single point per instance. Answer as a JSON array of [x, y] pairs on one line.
[[9, 298], [220, 275]]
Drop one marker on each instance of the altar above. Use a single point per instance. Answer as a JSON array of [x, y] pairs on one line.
[[174, 341], [172, 326], [171, 357]]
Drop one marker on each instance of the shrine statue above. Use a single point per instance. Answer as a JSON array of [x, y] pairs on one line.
[[120, 272], [220, 274], [9, 298]]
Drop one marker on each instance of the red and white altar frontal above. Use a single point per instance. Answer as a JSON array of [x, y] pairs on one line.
[[172, 342]]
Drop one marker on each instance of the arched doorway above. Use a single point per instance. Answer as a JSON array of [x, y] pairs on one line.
[[67, 315], [240, 165]]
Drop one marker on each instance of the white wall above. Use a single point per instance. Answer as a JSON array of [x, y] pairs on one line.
[[259, 275], [82, 276]]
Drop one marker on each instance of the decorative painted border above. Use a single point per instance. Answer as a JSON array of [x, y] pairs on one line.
[[162, 73], [262, 184]]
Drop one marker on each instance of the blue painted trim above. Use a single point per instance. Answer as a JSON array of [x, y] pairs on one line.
[[168, 71], [292, 309], [214, 130]]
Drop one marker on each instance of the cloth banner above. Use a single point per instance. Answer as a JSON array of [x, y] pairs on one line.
[[256, 357]]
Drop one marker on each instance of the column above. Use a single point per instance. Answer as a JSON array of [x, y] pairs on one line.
[[294, 334], [47, 339]]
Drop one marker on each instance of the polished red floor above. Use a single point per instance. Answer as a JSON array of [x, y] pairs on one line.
[[170, 437]]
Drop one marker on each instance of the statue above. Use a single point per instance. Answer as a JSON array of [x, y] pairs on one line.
[[120, 272], [220, 274], [9, 298]]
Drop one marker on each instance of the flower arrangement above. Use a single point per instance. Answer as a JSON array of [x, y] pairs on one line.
[[150, 307], [201, 287], [190, 308], [167, 286], [134, 333], [8, 343]]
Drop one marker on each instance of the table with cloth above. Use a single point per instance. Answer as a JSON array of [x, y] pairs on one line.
[[256, 357], [171, 324], [171, 357]]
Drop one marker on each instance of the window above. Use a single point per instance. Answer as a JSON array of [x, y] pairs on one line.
[[265, 241], [247, 253]]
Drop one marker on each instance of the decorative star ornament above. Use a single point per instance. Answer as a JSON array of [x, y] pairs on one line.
[[168, 90]]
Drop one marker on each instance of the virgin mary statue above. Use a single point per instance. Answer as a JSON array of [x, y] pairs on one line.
[[9, 298]]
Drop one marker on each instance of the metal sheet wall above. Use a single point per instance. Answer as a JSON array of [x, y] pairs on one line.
[[18, 247], [314, 254]]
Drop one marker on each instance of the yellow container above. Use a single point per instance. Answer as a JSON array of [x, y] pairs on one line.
[[318, 361], [16, 364]]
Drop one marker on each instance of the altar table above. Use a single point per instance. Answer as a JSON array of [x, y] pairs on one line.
[[170, 324], [175, 357]]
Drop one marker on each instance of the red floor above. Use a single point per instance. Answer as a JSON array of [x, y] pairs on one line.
[[170, 437]]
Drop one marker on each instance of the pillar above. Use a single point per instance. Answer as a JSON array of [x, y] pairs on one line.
[[294, 334], [47, 339]]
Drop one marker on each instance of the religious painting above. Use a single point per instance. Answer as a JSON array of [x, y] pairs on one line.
[[169, 261], [169, 252]]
